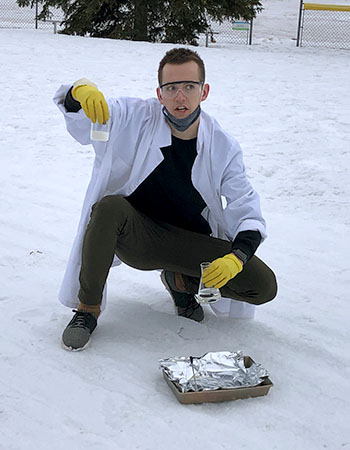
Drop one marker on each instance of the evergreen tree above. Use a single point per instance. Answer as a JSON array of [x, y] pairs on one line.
[[176, 21]]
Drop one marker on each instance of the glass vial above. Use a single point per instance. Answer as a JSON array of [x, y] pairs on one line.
[[207, 294], [100, 131]]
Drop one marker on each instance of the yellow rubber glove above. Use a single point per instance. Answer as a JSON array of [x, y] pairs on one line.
[[92, 101], [222, 270]]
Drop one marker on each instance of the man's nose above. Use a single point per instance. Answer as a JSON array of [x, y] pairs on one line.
[[180, 95]]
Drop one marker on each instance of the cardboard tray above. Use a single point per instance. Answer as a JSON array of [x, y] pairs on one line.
[[221, 395]]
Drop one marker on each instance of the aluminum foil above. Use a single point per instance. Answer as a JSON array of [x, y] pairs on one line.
[[213, 370]]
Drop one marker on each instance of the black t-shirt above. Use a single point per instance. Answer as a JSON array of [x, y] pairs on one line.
[[168, 194]]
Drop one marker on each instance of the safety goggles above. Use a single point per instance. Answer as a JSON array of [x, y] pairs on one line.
[[188, 88]]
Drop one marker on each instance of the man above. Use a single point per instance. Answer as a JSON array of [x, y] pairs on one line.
[[155, 198]]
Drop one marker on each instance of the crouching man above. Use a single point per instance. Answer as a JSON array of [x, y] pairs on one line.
[[155, 198]]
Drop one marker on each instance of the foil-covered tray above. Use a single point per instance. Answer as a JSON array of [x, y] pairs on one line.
[[215, 377]]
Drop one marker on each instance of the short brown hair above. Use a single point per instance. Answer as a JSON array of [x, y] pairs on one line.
[[181, 56]]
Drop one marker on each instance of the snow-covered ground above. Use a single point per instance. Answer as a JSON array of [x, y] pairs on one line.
[[290, 110]]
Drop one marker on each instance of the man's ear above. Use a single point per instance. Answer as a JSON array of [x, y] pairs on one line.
[[159, 95], [205, 92]]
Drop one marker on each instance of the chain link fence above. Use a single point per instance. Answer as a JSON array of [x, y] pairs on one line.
[[228, 32], [13, 16], [322, 25]]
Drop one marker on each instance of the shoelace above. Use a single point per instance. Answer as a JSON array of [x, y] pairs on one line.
[[80, 319]]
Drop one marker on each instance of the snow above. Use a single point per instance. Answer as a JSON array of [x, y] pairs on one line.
[[289, 109]]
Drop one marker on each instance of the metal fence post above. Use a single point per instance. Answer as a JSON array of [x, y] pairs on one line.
[[299, 22], [36, 14], [251, 32]]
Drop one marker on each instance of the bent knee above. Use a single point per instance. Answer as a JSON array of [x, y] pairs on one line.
[[268, 293], [109, 201], [112, 208], [108, 204]]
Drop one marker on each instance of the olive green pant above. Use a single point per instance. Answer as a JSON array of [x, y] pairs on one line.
[[116, 227]]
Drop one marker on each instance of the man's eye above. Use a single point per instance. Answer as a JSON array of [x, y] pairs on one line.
[[170, 88], [189, 87]]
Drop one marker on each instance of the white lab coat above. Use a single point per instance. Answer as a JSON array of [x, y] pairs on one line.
[[138, 131]]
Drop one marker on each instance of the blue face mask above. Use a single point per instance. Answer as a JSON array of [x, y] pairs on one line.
[[186, 122]]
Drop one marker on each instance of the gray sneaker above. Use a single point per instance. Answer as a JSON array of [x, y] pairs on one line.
[[185, 303], [77, 333]]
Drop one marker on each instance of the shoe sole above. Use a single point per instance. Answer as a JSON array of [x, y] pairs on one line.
[[71, 349], [167, 287]]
